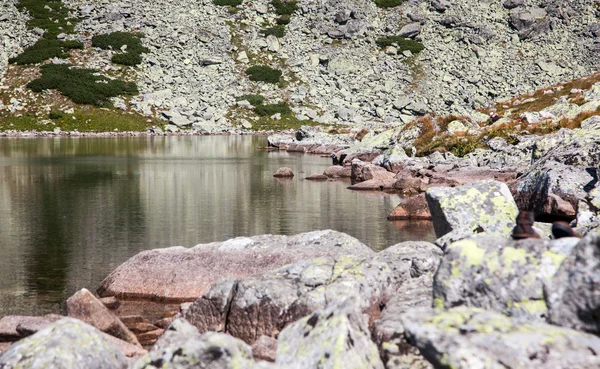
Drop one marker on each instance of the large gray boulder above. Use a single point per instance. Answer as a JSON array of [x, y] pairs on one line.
[[66, 344], [467, 338], [179, 274], [182, 347], [334, 337], [500, 274], [485, 206], [573, 294]]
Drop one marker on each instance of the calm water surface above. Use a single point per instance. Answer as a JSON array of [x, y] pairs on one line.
[[72, 210]]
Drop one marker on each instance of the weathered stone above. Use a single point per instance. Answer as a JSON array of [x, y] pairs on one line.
[[573, 294], [283, 173], [334, 337], [150, 337], [410, 30], [337, 171], [374, 185], [68, 344], [15, 327], [317, 177], [264, 348], [83, 305], [500, 274], [485, 206], [414, 208], [180, 274], [466, 338]]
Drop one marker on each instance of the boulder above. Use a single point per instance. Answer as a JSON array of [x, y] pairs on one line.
[[573, 294], [410, 30], [15, 327], [337, 171], [467, 338], [362, 171], [183, 347], [500, 274], [283, 173], [179, 274], [264, 348], [83, 305], [411, 208], [374, 185], [317, 177], [485, 206], [334, 337], [67, 343]]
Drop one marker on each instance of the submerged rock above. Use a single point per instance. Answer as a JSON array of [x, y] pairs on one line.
[[334, 337], [66, 344], [573, 294], [500, 274], [467, 338]]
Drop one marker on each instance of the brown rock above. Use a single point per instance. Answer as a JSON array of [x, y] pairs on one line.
[[362, 171], [410, 185], [4, 346], [283, 173], [15, 327], [164, 323], [111, 302], [337, 171], [130, 350], [264, 348], [317, 177], [83, 305], [374, 185], [138, 324], [411, 208], [149, 338]]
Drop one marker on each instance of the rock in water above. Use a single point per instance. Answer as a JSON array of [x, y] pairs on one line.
[[86, 307], [334, 337], [485, 206], [182, 347], [573, 294], [414, 208], [66, 344], [468, 338], [283, 173], [499, 274]]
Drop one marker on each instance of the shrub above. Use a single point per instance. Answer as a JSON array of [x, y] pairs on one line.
[[285, 7], [402, 43], [272, 109], [388, 3], [227, 2], [116, 40], [253, 99], [49, 15], [45, 49], [54, 114], [277, 31], [263, 73], [284, 19], [83, 86]]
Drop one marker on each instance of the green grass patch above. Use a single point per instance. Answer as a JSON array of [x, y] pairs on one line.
[[253, 99], [284, 19], [388, 3], [83, 86], [277, 31], [402, 43], [116, 40], [45, 49], [284, 7], [272, 109], [263, 73], [50, 15], [55, 114], [227, 2]]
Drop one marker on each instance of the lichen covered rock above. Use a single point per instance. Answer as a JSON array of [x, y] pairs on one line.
[[485, 206], [467, 338], [334, 337], [573, 294], [500, 274], [66, 344]]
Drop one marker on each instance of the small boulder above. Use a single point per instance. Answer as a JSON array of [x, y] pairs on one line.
[[467, 338], [411, 208], [338, 171], [362, 171], [334, 337], [317, 177], [15, 327], [485, 206], [65, 344], [573, 294], [374, 185], [283, 173], [264, 348]]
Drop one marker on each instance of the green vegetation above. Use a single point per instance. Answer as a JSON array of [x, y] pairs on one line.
[[45, 49], [253, 99], [227, 2], [55, 114], [263, 73], [284, 19], [388, 3], [277, 31], [83, 86], [49, 15], [272, 109], [284, 7], [402, 43], [116, 40]]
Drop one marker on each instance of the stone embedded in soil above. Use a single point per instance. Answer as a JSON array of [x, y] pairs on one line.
[[283, 173]]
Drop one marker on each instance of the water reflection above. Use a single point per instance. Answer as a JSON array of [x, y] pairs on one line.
[[71, 210]]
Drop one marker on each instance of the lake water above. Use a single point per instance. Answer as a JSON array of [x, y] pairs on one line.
[[73, 209]]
